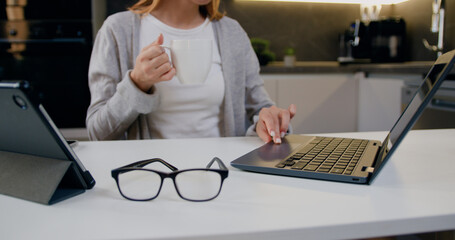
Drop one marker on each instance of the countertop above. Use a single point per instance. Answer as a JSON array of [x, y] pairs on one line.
[[419, 67], [401, 200]]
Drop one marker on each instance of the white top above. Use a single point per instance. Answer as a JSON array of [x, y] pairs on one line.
[[413, 193], [185, 110]]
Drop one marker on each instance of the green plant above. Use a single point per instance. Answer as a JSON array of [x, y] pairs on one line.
[[289, 51], [261, 48], [259, 44]]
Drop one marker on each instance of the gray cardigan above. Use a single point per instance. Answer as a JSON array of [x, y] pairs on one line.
[[118, 108]]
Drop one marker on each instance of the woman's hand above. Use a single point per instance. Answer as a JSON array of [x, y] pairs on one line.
[[274, 122], [152, 66]]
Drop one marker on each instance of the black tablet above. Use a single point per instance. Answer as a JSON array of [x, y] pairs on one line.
[[26, 129]]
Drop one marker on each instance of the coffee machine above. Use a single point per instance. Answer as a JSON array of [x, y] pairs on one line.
[[354, 45], [377, 41]]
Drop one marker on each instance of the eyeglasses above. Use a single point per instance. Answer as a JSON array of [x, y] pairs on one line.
[[137, 183]]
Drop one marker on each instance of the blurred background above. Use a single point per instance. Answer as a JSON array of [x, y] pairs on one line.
[[313, 28]]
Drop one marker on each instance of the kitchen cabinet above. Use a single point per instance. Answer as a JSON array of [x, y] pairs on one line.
[[340, 102], [325, 102], [440, 111], [331, 102], [379, 103]]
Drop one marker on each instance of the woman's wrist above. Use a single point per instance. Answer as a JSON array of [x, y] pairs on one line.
[[142, 87]]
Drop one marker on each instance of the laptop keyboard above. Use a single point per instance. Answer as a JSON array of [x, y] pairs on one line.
[[327, 155]]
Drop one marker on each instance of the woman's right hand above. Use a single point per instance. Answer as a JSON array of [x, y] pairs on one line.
[[152, 66]]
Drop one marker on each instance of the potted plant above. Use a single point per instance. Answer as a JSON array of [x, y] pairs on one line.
[[261, 48], [289, 57]]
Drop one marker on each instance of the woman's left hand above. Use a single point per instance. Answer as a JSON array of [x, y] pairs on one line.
[[274, 122]]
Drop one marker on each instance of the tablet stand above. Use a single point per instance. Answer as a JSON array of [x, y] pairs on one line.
[[38, 179]]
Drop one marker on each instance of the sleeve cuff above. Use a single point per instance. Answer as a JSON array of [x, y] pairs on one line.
[[137, 99]]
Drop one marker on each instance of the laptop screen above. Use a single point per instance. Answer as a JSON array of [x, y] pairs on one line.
[[423, 95], [417, 101]]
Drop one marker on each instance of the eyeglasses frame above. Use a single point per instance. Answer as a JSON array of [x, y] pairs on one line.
[[223, 172]]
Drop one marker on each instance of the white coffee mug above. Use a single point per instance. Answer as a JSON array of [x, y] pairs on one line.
[[192, 59]]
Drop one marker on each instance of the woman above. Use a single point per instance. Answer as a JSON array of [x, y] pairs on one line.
[[135, 93]]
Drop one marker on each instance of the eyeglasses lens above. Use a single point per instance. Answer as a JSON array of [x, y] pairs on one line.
[[139, 184], [198, 184]]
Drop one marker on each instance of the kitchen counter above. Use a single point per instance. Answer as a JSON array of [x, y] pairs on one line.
[[336, 67]]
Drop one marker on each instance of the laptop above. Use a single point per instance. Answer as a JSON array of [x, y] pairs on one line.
[[344, 159], [26, 133]]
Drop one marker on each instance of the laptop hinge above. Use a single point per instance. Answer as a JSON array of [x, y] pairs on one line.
[[368, 169]]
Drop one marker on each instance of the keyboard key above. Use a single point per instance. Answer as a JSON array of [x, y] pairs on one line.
[[323, 170], [341, 165], [289, 163], [299, 165], [337, 171], [328, 164], [311, 167], [307, 158], [280, 165]]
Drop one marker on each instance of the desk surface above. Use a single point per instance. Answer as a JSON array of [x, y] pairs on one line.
[[411, 194]]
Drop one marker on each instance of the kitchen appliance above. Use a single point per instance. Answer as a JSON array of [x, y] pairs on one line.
[[354, 44], [387, 39], [48, 43], [376, 41]]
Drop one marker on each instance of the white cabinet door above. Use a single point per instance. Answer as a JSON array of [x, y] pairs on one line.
[[325, 102], [380, 100], [271, 85]]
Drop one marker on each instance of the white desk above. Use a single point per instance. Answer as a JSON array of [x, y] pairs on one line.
[[410, 195]]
